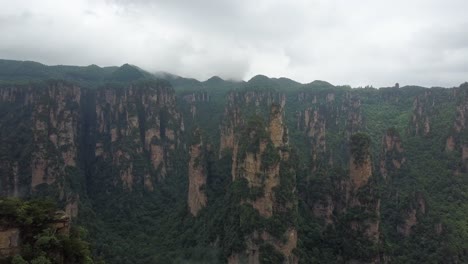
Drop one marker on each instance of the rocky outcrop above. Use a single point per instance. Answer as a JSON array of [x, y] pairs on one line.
[[361, 196], [40, 152], [315, 128], [252, 163], [197, 175], [194, 99], [360, 165], [256, 242], [420, 119], [136, 124], [51, 124], [12, 234], [238, 104], [352, 107], [360, 171], [230, 124], [410, 217], [261, 157], [54, 125], [457, 141], [391, 156], [10, 241], [323, 209], [276, 126], [327, 113]]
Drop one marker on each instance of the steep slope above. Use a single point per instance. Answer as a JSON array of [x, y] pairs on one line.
[[264, 171]]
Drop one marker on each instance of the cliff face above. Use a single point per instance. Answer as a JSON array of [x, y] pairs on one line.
[[412, 215], [239, 105], [288, 176], [327, 113], [420, 119], [29, 229], [40, 152], [258, 159], [261, 158], [135, 126], [363, 199], [195, 98], [457, 141], [10, 241], [391, 156], [347, 202], [51, 125], [197, 175]]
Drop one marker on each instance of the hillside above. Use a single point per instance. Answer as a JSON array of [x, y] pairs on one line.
[[165, 169]]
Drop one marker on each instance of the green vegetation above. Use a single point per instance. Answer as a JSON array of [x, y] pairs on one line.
[[360, 145], [41, 240], [326, 124]]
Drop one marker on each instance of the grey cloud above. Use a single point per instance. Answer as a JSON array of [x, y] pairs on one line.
[[344, 42]]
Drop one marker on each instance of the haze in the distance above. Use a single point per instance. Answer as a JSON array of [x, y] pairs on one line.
[[368, 42]]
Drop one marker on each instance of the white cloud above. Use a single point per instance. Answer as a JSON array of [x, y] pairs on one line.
[[344, 42]]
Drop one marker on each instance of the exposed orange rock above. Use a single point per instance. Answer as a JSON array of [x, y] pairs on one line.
[[10, 241], [71, 207], [391, 157], [157, 158], [360, 173], [276, 126], [409, 222], [197, 180], [250, 167]]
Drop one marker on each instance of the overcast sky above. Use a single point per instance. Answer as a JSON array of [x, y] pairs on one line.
[[356, 42]]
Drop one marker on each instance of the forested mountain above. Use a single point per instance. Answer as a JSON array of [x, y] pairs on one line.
[[164, 169]]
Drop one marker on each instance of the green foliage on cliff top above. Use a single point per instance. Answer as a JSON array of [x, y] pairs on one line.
[[40, 241]]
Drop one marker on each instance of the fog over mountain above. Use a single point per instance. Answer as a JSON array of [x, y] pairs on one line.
[[344, 42]]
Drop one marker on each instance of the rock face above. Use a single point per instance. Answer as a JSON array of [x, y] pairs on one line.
[[420, 120], [457, 141], [126, 141], [197, 175], [261, 158], [330, 112], [360, 174], [360, 165], [234, 115], [133, 125], [41, 150], [314, 124], [410, 217], [10, 241], [229, 126], [50, 128], [276, 126], [11, 234], [347, 200], [195, 98], [391, 157]]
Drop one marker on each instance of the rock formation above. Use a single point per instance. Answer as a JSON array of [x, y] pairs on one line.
[[133, 125], [261, 157], [391, 157], [42, 142], [197, 175]]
